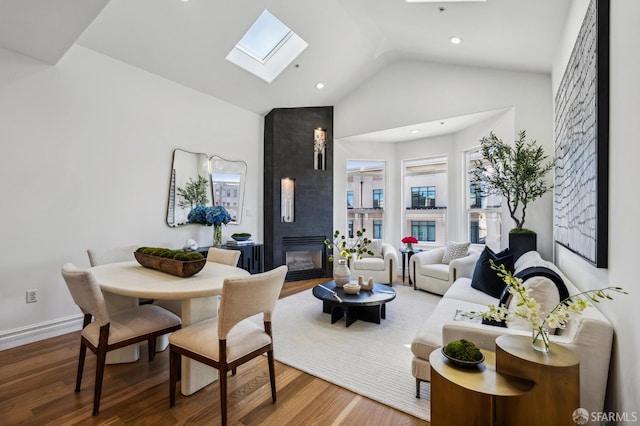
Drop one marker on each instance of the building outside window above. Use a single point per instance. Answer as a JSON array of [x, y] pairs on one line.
[[483, 210], [425, 193], [365, 196], [377, 229], [423, 197], [424, 230], [378, 199]]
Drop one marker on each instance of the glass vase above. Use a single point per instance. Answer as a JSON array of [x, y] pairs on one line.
[[409, 247], [341, 273], [540, 339], [217, 235]]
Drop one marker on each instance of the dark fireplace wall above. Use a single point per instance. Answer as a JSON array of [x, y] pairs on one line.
[[289, 153]]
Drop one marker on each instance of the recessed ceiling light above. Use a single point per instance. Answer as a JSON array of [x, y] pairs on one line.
[[319, 85], [455, 40], [414, 131]]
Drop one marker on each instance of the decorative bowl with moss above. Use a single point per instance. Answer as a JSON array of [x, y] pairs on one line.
[[175, 262], [463, 353], [241, 236]]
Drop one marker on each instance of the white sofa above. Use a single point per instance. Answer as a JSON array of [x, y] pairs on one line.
[[383, 267], [427, 272], [589, 335]]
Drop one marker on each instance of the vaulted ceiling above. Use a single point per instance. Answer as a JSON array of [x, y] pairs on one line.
[[349, 40]]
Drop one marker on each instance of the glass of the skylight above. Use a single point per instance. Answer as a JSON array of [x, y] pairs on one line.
[[264, 37]]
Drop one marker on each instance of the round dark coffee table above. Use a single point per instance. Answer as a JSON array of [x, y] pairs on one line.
[[367, 305]]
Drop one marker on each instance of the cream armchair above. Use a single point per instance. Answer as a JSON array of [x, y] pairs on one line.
[[383, 267], [428, 272]]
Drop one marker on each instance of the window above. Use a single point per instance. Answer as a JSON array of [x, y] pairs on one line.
[[378, 199], [483, 210], [365, 196], [377, 229], [349, 199], [350, 229], [424, 230], [423, 197], [425, 192]]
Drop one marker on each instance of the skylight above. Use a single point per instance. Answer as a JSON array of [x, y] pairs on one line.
[[267, 48], [264, 37]]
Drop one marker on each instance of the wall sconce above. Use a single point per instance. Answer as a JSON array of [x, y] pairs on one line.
[[287, 199], [319, 148]]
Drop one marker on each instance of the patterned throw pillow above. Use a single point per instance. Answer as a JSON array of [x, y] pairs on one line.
[[454, 251], [376, 247]]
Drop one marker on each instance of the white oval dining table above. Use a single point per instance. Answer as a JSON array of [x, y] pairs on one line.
[[193, 298]]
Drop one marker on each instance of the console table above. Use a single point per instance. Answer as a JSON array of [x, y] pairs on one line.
[[251, 256]]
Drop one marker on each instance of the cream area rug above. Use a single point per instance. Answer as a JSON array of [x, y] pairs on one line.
[[372, 360]]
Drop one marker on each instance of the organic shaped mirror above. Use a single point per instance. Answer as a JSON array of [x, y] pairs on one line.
[[190, 185], [227, 180], [197, 179]]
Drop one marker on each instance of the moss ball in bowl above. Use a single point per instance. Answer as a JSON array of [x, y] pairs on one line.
[[241, 236], [463, 352]]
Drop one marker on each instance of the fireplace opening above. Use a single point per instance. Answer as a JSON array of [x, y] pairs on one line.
[[305, 257]]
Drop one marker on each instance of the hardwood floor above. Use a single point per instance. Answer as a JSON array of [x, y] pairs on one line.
[[37, 382]]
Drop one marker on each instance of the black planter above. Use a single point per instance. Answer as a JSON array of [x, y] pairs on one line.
[[519, 244]]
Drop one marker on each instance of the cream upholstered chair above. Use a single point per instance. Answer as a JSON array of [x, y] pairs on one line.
[[227, 257], [429, 270], [111, 255], [231, 339], [108, 332], [382, 266]]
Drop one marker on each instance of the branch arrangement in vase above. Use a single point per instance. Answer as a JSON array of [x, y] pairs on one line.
[[348, 248]]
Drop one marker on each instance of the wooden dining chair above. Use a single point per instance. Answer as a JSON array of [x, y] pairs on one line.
[[108, 332], [227, 257], [231, 339]]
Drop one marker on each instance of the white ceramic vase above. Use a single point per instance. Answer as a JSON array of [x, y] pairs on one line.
[[341, 273]]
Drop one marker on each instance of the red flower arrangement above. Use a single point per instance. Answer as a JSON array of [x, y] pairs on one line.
[[410, 240]]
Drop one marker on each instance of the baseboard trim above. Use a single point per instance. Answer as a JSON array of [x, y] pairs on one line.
[[36, 332]]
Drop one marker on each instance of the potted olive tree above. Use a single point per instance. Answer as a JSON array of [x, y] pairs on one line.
[[516, 173]]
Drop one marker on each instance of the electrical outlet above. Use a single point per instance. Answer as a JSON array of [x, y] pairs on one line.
[[32, 296]]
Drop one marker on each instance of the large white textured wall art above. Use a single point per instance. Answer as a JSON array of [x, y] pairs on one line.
[[581, 141]]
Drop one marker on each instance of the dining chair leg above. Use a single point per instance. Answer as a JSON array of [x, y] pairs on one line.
[[81, 357], [223, 396], [272, 375], [101, 362], [174, 366]]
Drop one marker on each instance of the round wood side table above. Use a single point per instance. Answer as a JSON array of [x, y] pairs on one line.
[[468, 396]]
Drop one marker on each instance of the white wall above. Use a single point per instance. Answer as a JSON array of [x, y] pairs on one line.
[[624, 378], [85, 159], [409, 92]]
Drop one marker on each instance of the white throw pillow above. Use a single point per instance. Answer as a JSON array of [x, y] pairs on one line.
[[454, 251], [545, 292]]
